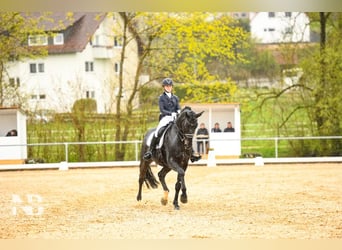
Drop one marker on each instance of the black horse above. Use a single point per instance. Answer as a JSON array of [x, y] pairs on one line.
[[173, 155]]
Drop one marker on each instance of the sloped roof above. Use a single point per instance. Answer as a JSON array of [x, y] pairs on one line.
[[77, 27]]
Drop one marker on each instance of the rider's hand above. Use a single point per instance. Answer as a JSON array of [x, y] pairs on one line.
[[174, 115]]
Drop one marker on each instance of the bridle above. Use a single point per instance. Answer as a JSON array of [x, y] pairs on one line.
[[183, 136]]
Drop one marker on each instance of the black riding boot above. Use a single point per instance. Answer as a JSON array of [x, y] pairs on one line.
[[153, 145], [195, 157]]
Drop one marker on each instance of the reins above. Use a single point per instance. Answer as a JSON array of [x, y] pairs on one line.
[[183, 135]]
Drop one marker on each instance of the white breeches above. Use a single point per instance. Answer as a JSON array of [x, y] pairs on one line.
[[163, 122]]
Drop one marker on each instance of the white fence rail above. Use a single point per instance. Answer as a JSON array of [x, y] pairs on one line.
[[137, 144]]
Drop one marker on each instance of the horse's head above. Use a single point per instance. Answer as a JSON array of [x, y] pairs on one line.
[[187, 120]]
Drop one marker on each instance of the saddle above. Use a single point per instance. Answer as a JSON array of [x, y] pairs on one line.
[[161, 135]]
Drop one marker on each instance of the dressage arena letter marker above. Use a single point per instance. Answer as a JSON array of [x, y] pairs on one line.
[[29, 206]]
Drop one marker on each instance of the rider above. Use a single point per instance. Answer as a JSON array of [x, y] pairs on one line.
[[169, 109]]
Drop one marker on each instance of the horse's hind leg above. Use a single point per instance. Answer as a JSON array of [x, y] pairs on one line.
[[162, 173]]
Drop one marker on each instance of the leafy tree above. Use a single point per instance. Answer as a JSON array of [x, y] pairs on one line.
[[261, 64], [212, 92], [15, 28], [81, 110], [316, 96], [323, 77], [189, 42], [177, 45]]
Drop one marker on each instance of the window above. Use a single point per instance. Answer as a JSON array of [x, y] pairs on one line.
[[33, 68], [117, 41], [11, 81], [58, 39], [271, 14], [90, 94], [37, 40], [89, 66], [116, 68], [14, 82], [288, 30], [97, 40], [271, 29], [41, 67], [38, 97], [37, 67], [288, 14]]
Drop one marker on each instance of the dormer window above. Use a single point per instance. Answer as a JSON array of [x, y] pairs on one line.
[[37, 40], [58, 39]]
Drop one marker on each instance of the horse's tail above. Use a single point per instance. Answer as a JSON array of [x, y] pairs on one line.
[[150, 179]]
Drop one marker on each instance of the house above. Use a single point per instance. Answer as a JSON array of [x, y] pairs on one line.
[[279, 27], [83, 61]]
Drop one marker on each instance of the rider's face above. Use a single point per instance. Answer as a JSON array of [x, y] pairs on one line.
[[168, 88]]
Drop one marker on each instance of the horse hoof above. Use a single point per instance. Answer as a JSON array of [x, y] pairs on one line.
[[176, 207], [163, 201], [183, 199]]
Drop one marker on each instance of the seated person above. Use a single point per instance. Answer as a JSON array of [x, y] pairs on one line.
[[216, 128], [201, 135], [229, 128], [12, 132]]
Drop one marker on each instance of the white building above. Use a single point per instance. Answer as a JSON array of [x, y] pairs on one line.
[[83, 62], [279, 27]]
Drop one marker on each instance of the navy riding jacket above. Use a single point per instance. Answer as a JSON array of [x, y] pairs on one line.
[[168, 105]]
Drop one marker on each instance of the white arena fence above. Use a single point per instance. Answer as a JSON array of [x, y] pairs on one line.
[[137, 145]]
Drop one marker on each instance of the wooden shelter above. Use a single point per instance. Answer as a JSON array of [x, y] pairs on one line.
[[224, 144], [13, 137]]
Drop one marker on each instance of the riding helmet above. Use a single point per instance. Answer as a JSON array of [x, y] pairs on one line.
[[167, 81]]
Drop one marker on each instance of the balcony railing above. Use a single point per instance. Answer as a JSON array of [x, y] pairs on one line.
[[103, 52]]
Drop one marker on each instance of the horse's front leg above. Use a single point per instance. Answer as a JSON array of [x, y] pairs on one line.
[[184, 196], [162, 173], [180, 184]]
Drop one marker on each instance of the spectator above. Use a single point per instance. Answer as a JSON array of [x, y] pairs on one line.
[[12, 132], [229, 128], [202, 136], [216, 128]]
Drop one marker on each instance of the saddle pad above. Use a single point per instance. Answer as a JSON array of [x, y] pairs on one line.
[[160, 144]]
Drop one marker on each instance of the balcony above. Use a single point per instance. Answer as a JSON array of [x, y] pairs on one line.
[[103, 52]]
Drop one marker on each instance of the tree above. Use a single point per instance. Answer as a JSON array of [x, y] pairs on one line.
[[316, 96], [323, 68], [15, 28], [81, 110], [177, 45], [189, 42]]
